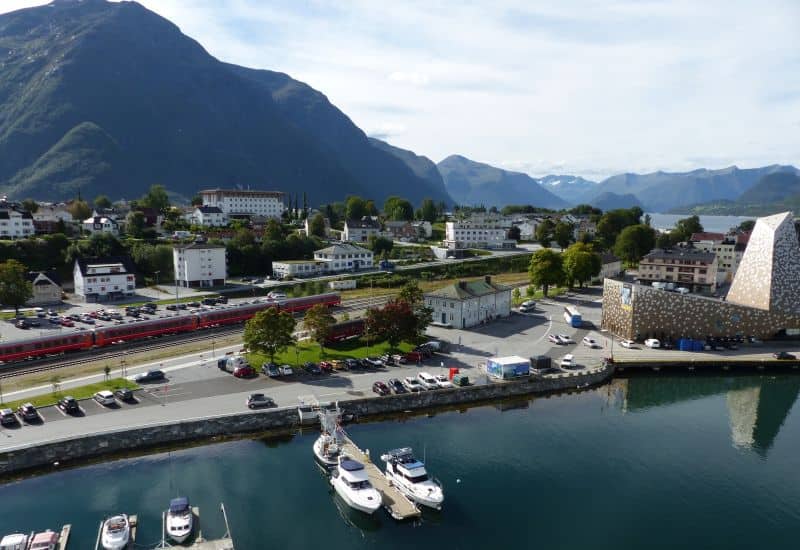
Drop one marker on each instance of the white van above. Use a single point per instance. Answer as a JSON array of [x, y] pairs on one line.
[[652, 343], [682, 290]]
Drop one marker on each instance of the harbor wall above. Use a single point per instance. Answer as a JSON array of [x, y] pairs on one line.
[[66, 451]]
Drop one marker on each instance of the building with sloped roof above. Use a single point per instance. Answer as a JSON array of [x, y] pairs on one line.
[[469, 303], [200, 265], [104, 279], [46, 288]]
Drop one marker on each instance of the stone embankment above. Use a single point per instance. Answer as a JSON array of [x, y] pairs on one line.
[[70, 450]]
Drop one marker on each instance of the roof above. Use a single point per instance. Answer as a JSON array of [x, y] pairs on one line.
[[680, 254], [608, 258], [179, 504], [364, 223], [510, 360], [210, 209], [52, 275], [252, 192], [199, 246], [127, 263], [465, 290], [706, 236], [350, 465], [343, 248], [397, 224], [4, 213]]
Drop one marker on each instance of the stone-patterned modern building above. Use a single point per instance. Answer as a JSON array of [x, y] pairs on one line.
[[764, 299]]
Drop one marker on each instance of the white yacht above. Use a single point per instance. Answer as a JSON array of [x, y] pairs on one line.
[[116, 533], [17, 541], [179, 520], [351, 482], [328, 445], [408, 474]]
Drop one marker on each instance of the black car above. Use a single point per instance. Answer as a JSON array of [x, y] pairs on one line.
[[312, 368], [150, 305], [123, 394], [352, 364], [784, 355], [425, 350], [222, 300], [181, 306], [172, 307], [259, 400], [381, 388], [194, 304], [7, 418], [27, 412], [387, 359], [209, 301], [69, 405], [150, 376], [397, 386]]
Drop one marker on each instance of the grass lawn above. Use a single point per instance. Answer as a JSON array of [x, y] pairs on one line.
[[308, 351], [81, 392], [538, 295]]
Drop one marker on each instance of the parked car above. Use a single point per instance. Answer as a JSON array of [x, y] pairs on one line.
[[193, 304], [397, 386], [211, 302], [428, 381], [68, 404], [387, 359], [399, 359], [553, 339], [352, 364], [414, 357], [630, 344], [567, 362], [123, 394], [271, 370], [259, 400], [312, 368], [424, 350], [652, 343], [374, 361], [443, 382], [380, 388], [338, 364], [412, 384], [590, 342], [172, 307], [326, 366], [286, 370], [67, 323], [150, 376], [28, 412], [23, 324], [244, 371], [180, 306], [527, 306], [564, 339], [784, 355], [52, 312], [105, 398], [7, 418]]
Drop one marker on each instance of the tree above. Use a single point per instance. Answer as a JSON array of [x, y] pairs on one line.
[[79, 210], [581, 263], [318, 321], [269, 331], [747, 225], [634, 242], [546, 269], [544, 232], [135, 224], [685, 227], [197, 200], [378, 245], [156, 198], [102, 201], [664, 240], [428, 211], [613, 222], [398, 209], [394, 322], [317, 226], [355, 208], [516, 295], [562, 234], [15, 289], [514, 233], [273, 231], [30, 205]]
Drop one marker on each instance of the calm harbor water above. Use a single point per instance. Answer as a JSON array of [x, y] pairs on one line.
[[643, 463], [713, 224]]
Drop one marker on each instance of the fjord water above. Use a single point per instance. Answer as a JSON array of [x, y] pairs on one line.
[[642, 463]]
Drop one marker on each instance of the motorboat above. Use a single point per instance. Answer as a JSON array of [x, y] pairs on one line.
[[46, 540], [17, 541], [328, 445], [116, 532], [179, 521], [351, 482], [408, 475]]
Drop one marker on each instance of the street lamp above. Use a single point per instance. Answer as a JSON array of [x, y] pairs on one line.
[[611, 339], [156, 273]]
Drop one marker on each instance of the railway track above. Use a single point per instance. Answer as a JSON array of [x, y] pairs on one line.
[[78, 358]]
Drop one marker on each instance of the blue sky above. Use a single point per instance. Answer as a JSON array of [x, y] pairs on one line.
[[580, 87]]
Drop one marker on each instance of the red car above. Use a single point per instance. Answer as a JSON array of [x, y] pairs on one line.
[[245, 371], [326, 366], [67, 323], [414, 357]]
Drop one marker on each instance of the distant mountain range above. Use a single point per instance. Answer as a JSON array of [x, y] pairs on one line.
[[774, 192], [108, 97]]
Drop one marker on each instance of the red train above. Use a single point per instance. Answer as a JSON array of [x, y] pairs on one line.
[[346, 329], [105, 336]]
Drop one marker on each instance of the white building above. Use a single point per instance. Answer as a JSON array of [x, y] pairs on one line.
[[611, 267], [728, 248], [200, 265], [245, 202], [101, 224], [359, 231], [333, 259], [527, 229], [15, 223], [463, 234], [209, 216], [101, 279], [46, 289], [468, 303], [424, 229]]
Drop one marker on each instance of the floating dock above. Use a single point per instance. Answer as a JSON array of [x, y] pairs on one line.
[[395, 502], [224, 543], [63, 538], [134, 523]]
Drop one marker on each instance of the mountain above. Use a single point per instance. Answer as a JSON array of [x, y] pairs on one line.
[[774, 192], [422, 166], [573, 189], [771, 188], [474, 183], [108, 97], [664, 191], [611, 201]]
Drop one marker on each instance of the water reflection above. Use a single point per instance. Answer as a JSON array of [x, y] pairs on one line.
[[757, 405]]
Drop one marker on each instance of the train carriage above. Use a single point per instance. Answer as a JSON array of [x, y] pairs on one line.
[[46, 345], [144, 329], [346, 329]]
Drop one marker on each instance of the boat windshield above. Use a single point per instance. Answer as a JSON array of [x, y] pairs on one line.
[[417, 479], [365, 484]]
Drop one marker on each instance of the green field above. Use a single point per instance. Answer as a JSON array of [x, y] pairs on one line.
[[80, 392], [308, 351]]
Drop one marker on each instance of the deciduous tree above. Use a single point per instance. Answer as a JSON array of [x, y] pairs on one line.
[[634, 242], [317, 226], [269, 331], [562, 234], [102, 201], [319, 321], [15, 289], [546, 269], [394, 322], [544, 232], [79, 210], [581, 263]]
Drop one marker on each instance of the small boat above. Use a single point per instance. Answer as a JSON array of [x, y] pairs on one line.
[[180, 520], [47, 540], [351, 482], [17, 541], [328, 445], [116, 532], [408, 474]]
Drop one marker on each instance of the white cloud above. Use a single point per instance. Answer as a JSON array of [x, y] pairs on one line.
[[590, 87]]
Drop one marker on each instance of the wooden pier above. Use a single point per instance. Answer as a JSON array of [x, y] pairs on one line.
[[395, 502], [63, 538]]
